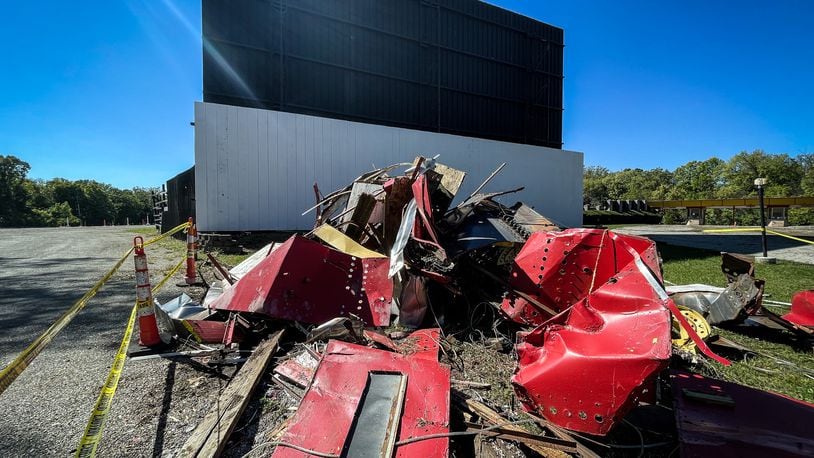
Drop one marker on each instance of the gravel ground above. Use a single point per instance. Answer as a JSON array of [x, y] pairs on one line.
[[42, 273]]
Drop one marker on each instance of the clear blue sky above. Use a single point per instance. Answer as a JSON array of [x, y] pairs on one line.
[[104, 89]]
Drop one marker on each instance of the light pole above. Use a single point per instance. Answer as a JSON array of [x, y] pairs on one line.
[[759, 184]]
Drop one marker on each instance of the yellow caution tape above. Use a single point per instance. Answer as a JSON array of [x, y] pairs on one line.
[[790, 237], [757, 229], [93, 431], [170, 232], [21, 362], [736, 229]]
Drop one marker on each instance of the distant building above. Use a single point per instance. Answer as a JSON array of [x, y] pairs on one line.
[[304, 91]]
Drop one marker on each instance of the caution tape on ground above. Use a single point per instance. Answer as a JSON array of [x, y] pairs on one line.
[[757, 229], [93, 431], [22, 361]]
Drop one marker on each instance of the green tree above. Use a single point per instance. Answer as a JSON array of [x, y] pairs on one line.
[[783, 173], [13, 192], [595, 192], [698, 180], [638, 184]]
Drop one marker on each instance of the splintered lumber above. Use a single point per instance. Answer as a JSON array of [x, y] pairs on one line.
[[554, 449], [360, 216], [210, 437]]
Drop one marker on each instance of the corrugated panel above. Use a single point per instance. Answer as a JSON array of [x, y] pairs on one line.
[[180, 199], [255, 168], [407, 63]]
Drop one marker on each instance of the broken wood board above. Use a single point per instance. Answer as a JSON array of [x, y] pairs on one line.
[[210, 436], [489, 415]]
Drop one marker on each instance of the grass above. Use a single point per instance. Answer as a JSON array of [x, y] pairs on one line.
[[144, 230], [230, 260], [689, 265]]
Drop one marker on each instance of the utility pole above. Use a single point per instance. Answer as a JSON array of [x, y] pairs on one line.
[[760, 183]]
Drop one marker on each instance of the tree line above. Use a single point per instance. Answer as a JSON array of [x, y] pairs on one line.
[[28, 203], [713, 178]]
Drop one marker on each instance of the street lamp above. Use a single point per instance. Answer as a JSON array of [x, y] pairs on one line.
[[759, 184]]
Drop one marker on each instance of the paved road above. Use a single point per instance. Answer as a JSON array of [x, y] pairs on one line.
[[740, 242]]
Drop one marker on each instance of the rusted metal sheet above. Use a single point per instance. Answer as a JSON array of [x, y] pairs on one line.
[[306, 281], [325, 418], [587, 367], [802, 309], [557, 269], [723, 419]]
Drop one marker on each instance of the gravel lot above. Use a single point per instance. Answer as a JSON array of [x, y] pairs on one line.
[[42, 273]]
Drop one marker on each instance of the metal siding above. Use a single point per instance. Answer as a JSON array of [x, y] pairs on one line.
[[201, 161], [289, 152], [455, 66]]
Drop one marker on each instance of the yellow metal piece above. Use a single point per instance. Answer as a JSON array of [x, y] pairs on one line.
[[681, 339], [343, 243]]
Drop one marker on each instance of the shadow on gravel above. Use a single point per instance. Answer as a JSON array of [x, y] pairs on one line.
[[30, 303], [169, 382]]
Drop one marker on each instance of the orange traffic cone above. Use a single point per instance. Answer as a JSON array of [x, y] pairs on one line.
[[148, 329]]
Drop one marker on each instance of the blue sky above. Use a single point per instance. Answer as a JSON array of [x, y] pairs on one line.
[[104, 89]]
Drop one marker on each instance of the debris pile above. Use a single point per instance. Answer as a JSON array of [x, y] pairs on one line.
[[378, 300]]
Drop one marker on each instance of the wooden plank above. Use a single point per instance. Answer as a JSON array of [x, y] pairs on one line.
[[361, 215], [210, 436], [490, 416], [525, 438]]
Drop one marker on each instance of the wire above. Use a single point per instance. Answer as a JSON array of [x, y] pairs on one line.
[[290, 445], [621, 447], [460, 433], [641, 437]]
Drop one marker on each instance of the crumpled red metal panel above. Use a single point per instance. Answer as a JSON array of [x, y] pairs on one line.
[[589, 367], [325, 415], [306, 281], [723, 419], [802, 309], [557, 269]]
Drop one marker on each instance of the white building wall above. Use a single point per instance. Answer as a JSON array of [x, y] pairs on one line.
[[255, 169]]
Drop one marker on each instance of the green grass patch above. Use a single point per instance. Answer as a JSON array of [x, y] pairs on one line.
[[144, 230], [230, 260], [777, 366]]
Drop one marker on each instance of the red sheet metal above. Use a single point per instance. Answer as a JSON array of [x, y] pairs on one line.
[[306, 281], [557, 269], [722, 419], [802, 309], [206, 331], [587, 369], [324, 417]]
